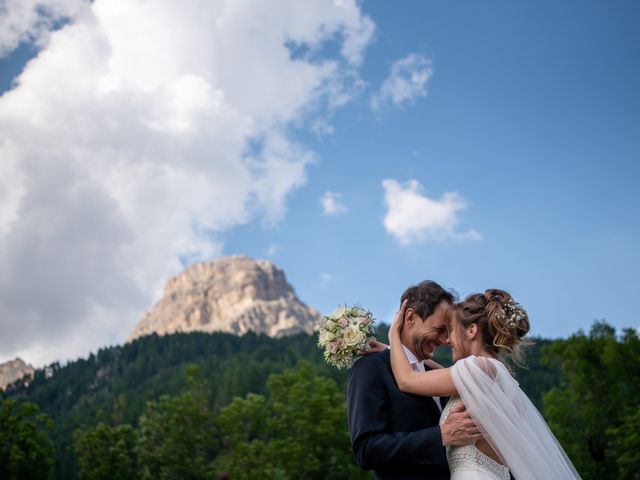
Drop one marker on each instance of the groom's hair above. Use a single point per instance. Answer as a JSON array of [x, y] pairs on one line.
[[425, 297]]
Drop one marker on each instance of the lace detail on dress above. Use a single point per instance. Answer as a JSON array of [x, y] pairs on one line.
[[468, 457]]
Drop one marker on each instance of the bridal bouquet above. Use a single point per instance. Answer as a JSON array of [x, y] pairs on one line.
[[344, 334]]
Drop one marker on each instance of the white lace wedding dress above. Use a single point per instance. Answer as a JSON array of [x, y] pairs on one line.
[[509, 422], [467, 462]]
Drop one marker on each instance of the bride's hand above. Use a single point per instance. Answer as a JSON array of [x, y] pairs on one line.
[[398, 322]]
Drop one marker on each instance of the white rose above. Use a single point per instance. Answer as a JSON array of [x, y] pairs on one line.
[[338, 312], [352, 336], [325, 337]]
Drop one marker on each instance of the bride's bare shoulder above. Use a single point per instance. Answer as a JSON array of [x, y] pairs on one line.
[[487, 365]]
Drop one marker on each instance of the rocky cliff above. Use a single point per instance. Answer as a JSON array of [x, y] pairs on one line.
[[14, 370], [233, 294]]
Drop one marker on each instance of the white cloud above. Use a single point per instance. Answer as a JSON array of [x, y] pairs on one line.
[[332, 203], [406, 82], [32, 20], [413, 217], [139, 132]]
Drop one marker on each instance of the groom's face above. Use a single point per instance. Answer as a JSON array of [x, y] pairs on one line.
[[429, 334]]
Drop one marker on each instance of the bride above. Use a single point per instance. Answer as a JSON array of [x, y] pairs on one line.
[[483, 329]]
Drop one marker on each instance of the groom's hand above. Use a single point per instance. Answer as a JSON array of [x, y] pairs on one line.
[[459, 428], [375, 346]]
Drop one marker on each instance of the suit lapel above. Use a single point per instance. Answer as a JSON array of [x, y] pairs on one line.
[[429, 402], [432, 405], [443, 400]]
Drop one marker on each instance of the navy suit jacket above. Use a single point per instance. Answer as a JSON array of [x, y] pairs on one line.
[[394, 433]]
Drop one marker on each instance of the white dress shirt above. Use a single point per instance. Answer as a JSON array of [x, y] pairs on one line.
[[418, 366]]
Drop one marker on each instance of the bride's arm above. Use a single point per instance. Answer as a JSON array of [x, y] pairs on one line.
[[432, 383]]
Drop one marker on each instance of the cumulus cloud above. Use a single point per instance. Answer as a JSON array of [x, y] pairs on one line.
[[332, 203], [412, 217], [31, 21], [406, 82], [140, 132]]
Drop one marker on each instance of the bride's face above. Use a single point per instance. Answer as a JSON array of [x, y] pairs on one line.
[[456, 340]]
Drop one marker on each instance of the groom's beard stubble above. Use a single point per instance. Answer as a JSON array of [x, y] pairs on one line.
[[422, 348]]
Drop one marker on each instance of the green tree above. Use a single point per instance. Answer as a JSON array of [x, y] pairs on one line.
[[597, 398], [105, 452], [26, 450], [298, 431], [177, 437], [626, 446]]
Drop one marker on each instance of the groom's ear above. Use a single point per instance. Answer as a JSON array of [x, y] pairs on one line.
[[410, 315]]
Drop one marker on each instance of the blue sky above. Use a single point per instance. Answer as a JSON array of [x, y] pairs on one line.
[[503, 152], [532, 115]]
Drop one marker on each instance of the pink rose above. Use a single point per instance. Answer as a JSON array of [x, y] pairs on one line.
[[343, 322], [334, 346]]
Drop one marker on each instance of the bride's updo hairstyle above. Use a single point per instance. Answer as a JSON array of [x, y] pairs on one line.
[[501, 321]]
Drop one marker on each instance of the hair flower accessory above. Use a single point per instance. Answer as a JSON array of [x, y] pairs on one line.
[[514, 313]]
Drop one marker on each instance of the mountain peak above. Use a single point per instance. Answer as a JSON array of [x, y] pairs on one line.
[[14, 370], [234, 294]]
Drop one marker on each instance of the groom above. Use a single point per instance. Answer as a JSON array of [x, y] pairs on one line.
[[394, 433]]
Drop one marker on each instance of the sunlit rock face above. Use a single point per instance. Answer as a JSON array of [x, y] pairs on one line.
[[233, 294], [14, 370]]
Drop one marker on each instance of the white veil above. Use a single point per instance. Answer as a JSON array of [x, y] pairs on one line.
[[509, 421]]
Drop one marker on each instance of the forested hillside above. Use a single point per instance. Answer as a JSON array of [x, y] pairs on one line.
[[235, 404]]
